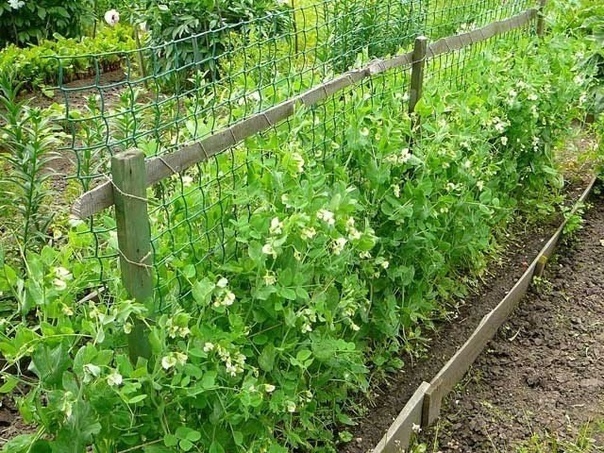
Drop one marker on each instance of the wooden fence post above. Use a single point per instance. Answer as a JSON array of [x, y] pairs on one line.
[[134, 240], [541, 18], [417, 71]]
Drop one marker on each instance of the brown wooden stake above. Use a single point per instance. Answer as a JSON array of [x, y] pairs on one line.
[[134, 240], [417, 71], [541, 18]]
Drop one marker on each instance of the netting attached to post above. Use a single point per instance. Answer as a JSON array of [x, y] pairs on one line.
[[177, 93]]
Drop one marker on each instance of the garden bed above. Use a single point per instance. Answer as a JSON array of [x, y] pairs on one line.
[[539, 382]]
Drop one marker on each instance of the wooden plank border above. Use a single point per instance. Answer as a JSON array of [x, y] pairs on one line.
[[399, 435], [165, 166], [431, 395]]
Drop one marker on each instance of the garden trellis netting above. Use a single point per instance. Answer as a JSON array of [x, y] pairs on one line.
[[215, 87]]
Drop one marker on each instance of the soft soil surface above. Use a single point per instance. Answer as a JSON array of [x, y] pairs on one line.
[[387, 401], [543, 374]]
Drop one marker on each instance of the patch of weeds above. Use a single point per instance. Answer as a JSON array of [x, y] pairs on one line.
[[542, 285], [551, 443]]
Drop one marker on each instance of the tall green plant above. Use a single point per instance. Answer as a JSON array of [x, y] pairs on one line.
[[28, 138]]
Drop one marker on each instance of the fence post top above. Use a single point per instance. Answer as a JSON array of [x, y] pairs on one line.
[[130, 153]]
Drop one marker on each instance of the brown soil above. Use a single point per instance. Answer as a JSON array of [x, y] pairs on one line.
[[544, 372], [389, 399]]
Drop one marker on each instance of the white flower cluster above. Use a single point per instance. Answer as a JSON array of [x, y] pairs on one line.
[[353, 233], [112, 17], [308, 317], [62, 276], [327, 216], [233, 363], [399, 158], [173, 359], [16, 4], [224, 296], [174, 329]]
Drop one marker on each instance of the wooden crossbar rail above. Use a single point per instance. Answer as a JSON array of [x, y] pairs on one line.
[[162, 167]]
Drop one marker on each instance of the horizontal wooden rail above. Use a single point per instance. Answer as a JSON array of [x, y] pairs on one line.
[[162, 167]]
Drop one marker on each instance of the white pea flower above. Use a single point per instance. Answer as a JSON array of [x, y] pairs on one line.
[[396, 190], [181, 358], [112, 17], [480, 185], [269, 278], [385, 264], [338, 245], [62, 273], [504, 140], [327, 216], [268, 249], [308, 233], [291, 406], [187, 181], [115, 379], [269, 388], [299, 160], [16, 4], [207, 347], [228, 299], [168, 361], [59, 284], [222, 283], [276, 226]]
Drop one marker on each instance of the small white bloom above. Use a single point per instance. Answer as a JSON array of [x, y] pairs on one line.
[[67, 311], [276, 226], [297, 255], [168, 361], [112, 17], [396, 190], [187, 181], [181, 358], [268, 249], [92, 370], [115, 379], [405, 155], [269, 388], [308, 233], [385, 264], [222, 283], [127, 328], [504, 140], [354, 327], [291, 406], [228, 299], [480, 185], [327, 216], [338, 245], [60, 285], [532, 97], [269, 278], [207, 347], [365, 255], [16, 4], [299, 161], [62, 273]]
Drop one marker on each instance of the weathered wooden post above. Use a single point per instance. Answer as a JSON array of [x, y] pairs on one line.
[[541, 18], [134, 240], [417, 75]]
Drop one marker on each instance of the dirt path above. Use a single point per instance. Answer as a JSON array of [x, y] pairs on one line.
[[544, 372]]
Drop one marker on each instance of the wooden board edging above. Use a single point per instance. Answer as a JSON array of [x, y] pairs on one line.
[[399, 435], [428, 397]]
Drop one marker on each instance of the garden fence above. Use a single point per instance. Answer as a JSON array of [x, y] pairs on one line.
[[200, 109]]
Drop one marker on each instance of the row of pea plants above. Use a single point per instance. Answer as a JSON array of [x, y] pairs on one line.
[[341, 258]]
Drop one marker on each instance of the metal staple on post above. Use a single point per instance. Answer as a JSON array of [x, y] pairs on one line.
[[129, 181]]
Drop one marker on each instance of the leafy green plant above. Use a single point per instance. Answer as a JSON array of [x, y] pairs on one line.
[[375, 28], [24, 22], [37, 67], [28, 140], [191, 35]]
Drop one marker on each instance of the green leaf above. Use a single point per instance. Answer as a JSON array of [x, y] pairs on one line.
[[202, 291], [266, 359], [185, 445], [9, 384], [136, 399], [170, 440], [216, 448], [208, 380]]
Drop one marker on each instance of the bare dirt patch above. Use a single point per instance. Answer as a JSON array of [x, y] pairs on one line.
[[544, 372]]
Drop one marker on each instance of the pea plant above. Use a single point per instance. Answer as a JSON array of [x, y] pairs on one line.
[[292, 272]]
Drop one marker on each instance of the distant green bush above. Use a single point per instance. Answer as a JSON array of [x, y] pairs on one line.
[[38, 66]]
